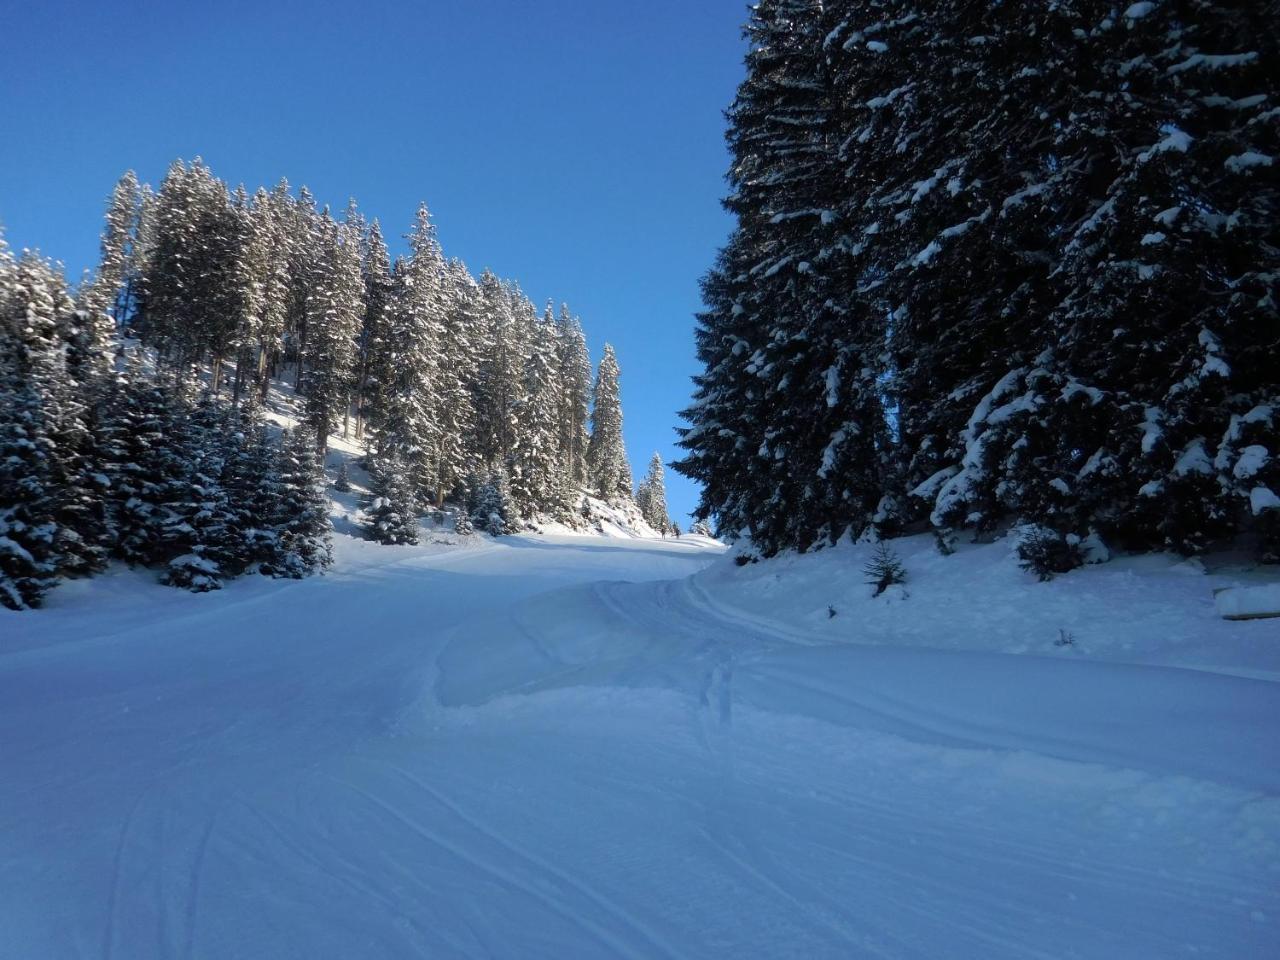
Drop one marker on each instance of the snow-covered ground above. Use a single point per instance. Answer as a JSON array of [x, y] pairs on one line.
[[557, 746]]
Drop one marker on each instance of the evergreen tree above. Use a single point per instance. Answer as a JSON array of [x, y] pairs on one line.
[[335, 305], [138, 424], [375, 373], [392, 517], [28, 553], [196, 535], [609, 471], [251, 478], [651, 497], [303, 527], [491, 508], [110, 293]]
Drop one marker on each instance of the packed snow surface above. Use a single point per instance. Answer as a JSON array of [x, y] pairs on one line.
[[557, 746]]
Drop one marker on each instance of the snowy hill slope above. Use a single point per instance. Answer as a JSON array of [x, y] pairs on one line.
[[571, 746]]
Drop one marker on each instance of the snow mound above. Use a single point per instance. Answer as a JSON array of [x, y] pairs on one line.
[[1248, 603]]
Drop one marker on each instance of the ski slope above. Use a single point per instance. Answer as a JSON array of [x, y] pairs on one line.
[[556, 746]]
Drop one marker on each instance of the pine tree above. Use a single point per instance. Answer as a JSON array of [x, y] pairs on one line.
[[375, 372], [491, 508], [302, 527], [251, 479], [28, 553], [574, 363], [609, 471], [109, 293], [392, 517], [651, 497], [410, 427], [536, 457], [197, 539], [335, 306], [137, 425]]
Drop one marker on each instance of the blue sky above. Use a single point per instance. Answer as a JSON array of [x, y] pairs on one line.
[[573, 145]]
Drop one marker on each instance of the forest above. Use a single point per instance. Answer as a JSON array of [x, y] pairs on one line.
[[131, 409], [998, 264]]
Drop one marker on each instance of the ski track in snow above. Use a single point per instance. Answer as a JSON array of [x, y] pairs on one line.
[[568, 747]]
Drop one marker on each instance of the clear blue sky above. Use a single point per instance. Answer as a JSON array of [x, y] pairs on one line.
[[573, 145]]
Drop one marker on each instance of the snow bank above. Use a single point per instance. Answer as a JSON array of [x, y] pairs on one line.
[[1249, 603]]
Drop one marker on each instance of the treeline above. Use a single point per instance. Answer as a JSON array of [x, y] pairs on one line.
[[460, 390], [997, 263]]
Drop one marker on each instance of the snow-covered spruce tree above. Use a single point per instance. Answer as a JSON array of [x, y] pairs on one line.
[[110, 290], [491, 507], [392, 515], [574, 363], [28, 553], [342, 482], [54, 350], [138, 424], [192, 293], [302, 526], [817, 467], [251, 479], [408, 426], [535, 460], [500, 372], [335, 305], [727, 421], [374, 370], [607, 465], [455, 369], [651, 497], [196, 535]]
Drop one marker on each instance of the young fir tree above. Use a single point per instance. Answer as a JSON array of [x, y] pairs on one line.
[[302, 527], [196, 534], [651, 497], [607, 465], [251, 478], [392, 516], [491, 507]]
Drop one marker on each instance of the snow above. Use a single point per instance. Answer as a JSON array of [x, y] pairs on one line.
[[1151, 429], [566, 746], [1243, 162], [1261, 498], [1193, 459], [931, 250], [1213, 61], [1248, 603], [1252, 459], [1175, 140]]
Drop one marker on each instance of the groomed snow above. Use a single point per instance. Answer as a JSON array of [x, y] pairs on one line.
[[555, 746]]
